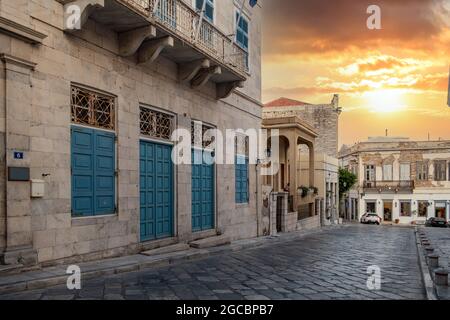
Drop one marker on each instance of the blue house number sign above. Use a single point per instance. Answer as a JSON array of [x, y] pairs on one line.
[[18, 155]]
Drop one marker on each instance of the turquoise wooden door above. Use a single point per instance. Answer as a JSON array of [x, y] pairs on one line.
[[156, 191], [202, 193], [93, 172]]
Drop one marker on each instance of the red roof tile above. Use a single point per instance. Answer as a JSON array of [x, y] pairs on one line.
[[285, 102]]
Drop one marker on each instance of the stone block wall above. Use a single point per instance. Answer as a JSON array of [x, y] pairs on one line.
[[309, 223], [324, 118], [90, 58]]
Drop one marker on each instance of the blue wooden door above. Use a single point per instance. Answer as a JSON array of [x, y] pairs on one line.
[[202, 192], [156, 191], [93, 172]]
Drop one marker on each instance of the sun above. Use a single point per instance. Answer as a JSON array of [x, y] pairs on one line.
[[384, 100]]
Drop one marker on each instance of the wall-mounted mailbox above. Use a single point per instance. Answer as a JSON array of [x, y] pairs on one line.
[[37, 188], [18, 174]]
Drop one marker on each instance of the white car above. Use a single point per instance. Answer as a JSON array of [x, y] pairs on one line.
[[371, 218]]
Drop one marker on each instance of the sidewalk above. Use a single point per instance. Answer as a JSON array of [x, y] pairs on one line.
[[53, 276]]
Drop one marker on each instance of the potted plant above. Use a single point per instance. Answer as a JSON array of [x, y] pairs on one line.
[[314, 190], [305, 191], [397, 221]]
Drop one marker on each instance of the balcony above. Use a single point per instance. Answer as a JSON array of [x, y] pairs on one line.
[[148, 29], [388, 186]]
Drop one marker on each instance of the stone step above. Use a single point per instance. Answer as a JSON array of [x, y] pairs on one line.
[[168, 249], [6, 269], [210, 242]]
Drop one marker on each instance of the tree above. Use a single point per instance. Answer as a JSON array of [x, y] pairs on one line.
[[346, 180]]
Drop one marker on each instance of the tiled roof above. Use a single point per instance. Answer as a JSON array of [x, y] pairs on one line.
[[285, 102]]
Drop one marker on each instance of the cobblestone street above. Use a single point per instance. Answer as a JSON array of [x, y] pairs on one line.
[[326, 265]]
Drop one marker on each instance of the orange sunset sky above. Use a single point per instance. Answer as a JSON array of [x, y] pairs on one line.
[[395, 78]]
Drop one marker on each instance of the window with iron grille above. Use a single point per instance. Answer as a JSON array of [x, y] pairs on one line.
[[156, 124], [200, 135], [92, 108]]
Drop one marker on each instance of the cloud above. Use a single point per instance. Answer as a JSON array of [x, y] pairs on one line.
[[319, 26]]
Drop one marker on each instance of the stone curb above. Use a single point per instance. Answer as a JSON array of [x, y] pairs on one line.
[[54, 276], [428, 282]]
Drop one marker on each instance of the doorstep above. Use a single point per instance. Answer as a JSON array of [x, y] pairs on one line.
[[172, 248], [210, 242]]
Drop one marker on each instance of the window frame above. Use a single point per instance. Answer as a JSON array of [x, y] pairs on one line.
[[370, 168], [236, 27], [239, 156], [400, 207], [402, 165], [442, 175], [198, 10], [114, 123], [419, 202], [422, 171], [163, 112], [92, 91], [367, 202], [391, 173]]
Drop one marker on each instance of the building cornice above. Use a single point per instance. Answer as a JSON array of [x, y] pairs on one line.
[[6, 58], [20, 31]]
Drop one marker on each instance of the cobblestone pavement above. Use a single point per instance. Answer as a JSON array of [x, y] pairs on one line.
[[326, 265], [440, 241]]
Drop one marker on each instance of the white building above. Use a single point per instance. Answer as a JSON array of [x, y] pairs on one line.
[[403, 181]]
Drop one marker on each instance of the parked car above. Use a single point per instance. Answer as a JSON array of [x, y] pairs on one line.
[[436, 222], [371, 218]]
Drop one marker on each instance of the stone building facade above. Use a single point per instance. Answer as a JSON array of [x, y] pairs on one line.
[[327, 182], [324, 118], [87, 113], [402, 181]]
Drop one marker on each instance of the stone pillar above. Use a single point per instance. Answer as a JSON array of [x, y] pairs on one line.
[[312, 172], [293, 156], [273, 213], [184, 191], [18, 97]]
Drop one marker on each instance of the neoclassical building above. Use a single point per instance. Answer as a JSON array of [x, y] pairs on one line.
[[308, 160], [401, 180], [91, 91]]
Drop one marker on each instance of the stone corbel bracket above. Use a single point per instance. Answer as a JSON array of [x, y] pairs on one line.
[[77, 12], [187, 71], [203, 76], [225, 89], [151, 50], [131, 41]]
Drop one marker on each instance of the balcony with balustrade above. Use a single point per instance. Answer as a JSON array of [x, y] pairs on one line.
[[148, 29], [405, 186]]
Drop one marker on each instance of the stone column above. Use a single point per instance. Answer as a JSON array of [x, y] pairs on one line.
[[273, 213], [184, 191], [292, 156], [18, 97]]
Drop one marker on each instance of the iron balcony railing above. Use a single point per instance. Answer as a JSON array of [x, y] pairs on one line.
[[142, 6], [393, 186], [180, 19]]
